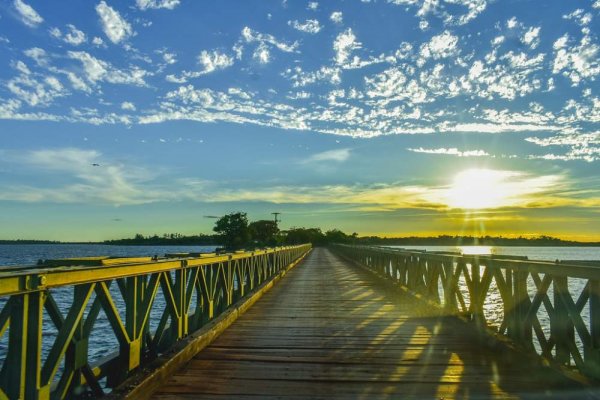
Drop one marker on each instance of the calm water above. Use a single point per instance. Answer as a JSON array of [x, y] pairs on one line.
[[102, 341], [534, 253], [30, 253]]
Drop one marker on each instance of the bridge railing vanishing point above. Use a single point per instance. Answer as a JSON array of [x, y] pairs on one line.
[[45, 342], [552, 309]]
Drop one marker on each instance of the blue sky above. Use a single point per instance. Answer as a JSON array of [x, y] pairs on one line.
[[379, 116]]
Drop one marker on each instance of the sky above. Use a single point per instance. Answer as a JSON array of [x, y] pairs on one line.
[[381, 117]]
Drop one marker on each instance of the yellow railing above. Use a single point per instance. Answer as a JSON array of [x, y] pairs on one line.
[[148, 305]]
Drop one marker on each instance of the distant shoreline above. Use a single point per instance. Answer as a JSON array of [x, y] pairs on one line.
[[543, 241]]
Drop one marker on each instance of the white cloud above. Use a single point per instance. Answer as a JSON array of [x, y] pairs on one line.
[[336, 17], [262, 54], [111, 182], [580, 16], [302, 78], [452, 151], [251, 36], [73, 37], [311, 26], [440, 46], [312, 5], [210, 61], [115, 27], [96, 41], [169, 58], [35, 89], [576, 61], [128, 106], [344, 44], [28, 15], [96, 70], [38, 55], [338, 155], [214, 61], [532, 37], [450, 11], [146, 4]]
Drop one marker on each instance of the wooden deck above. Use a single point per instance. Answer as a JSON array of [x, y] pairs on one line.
[[328, 331]]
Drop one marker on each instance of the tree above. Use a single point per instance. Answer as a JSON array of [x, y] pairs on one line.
[[305, 235], [336, 236], [233, 230], [264, 232]]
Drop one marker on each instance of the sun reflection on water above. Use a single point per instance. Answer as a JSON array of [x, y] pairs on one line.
[[476, 250]]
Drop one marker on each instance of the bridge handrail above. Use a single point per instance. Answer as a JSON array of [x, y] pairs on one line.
[[194, 290], [538, 311]]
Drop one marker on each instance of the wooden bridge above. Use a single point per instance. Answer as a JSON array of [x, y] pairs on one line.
[[346, 322]]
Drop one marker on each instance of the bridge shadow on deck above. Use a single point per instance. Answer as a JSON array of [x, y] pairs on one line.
[[328, 331]]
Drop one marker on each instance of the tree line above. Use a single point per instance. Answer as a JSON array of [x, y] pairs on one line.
[[234, 231]]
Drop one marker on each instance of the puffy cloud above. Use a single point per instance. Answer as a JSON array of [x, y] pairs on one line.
[[28, 15], [576, 61], [213, 61], [38, 55], [301, 78], [450, 11], [96, 70], [532, 37], [311, 26], [36, 90], [115, 27], [336, 17], [210, 61], [344, 44], [440, 46], [128, 106], [73, 37], [146, 4], [169, 58], [251, 36], [262, 54]]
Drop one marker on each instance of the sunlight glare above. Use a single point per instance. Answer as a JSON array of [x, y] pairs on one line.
[[480, 188], [475, 250]]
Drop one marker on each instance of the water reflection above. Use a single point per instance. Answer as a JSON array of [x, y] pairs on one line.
[[476, 250]]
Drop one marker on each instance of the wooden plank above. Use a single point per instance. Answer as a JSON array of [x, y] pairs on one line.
[[328, 331]]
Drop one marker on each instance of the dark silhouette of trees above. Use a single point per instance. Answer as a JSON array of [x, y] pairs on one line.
[[233, 230], [264, 232]]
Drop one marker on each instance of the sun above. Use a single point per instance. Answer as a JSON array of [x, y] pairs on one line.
[[480, 188]]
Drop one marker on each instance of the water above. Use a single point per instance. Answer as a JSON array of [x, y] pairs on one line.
[[28, 254], [534, 253], [102, 340]]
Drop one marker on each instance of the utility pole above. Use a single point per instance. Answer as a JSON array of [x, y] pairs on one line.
[[276, 214]]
